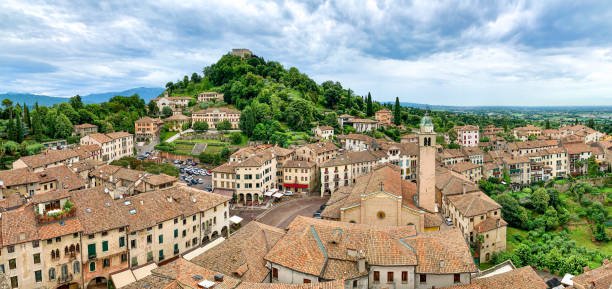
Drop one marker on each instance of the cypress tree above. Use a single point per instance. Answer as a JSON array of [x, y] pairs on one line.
[[369, 108], [397, 114], [26, 116]]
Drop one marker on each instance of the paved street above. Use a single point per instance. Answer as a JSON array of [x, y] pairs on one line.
[[281, 215]]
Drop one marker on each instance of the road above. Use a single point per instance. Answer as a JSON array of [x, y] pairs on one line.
[[282, 215]]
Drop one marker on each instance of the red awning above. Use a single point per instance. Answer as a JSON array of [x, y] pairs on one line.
[[296, 186]]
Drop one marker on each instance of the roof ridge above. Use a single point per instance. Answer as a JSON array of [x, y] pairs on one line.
[[321, 246]]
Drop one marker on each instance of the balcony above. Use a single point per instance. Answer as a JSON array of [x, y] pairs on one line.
[[63, 279], [51, 217]]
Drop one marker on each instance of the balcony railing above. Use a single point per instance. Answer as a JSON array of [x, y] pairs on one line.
[[44, 218]]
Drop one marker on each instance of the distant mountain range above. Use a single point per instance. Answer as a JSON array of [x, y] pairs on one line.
[[146, 93], [585, 108]]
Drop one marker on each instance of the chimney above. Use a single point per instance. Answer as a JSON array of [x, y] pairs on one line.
[[441, 263], [361, 262], [169, 199], [463, 187], [219, 277], [497, 222]]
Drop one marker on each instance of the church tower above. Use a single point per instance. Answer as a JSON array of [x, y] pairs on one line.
[[426, 178]]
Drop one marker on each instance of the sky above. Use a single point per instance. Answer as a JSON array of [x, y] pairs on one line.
[[423, 51]]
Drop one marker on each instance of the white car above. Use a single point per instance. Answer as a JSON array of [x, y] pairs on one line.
[[288, 193]]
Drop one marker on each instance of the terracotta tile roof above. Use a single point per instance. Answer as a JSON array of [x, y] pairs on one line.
[[16, 177], [356, 136], [85, 125], [515, 160], [160, 179], [363, 120], [87, 151], [392, 183], [326, 127], [48, 157], [576, 148], [97, 211], [442, 252], [67, 179], [87, 165], [242, 255], [466, 127], [527, 128], [599, 278], [337, 284], [179, 116], [521, 278], [152, 282], [105, 172], [322, 147], [532, 144], [119, 134], [452, 153], [473, 204], [100, 137], [128, 174], [57, 229], [11, 202], [279, 151], [351, 158], [229, 167], [147, 119], [432, 220], [452, 183], [463, 166], [50, 196], [298, 164], [309, 244], [183, 272], [19, 226], [146, 210], [490, 224], [191, 200]]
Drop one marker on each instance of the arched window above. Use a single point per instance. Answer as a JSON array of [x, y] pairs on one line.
[[52, 254], [64, 271], [57, 253], [66, 250], [72, 248], [92, 266], [76, 267], [77, 247], [52, 274]]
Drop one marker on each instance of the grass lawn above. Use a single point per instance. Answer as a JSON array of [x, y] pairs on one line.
[[511, 242], [214, 148], [166, 135], [183, 148], [582, 236], [485, 266]]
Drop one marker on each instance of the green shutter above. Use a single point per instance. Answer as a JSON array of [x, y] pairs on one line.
[[161, 239], [175, 233], [104, 246], [92, 266], [91, 250], [121, 241]]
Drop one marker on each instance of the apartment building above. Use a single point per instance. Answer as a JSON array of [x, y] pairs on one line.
[[317, 153], [403, 155], [47, 159], [548, 164], [84, 129], [342, 170], [121, 182], [115, 145], [467, 135], [410, 138], [323, 132], [362, 125], [519, 169], [529, 147], [210, 96], [214, 115], [577, 155], [147, 129], [177, 121], [176, 103], [491, 130], [299, 176], [588, 134], [396, 258], [384, 116], [357, 142], [471, 171], [552, 134], [524, 132], [25, 183], [479, 219]]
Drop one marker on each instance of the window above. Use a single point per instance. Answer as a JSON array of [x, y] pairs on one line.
[[91, 250], [184, 233], [104, 233], [92, 266], [306, 281], [135, 261], [37, 258], [2, 268], [176, 220], [58, 239], [404, 276], [457, 278], [160, 226], [149, 256], [14, 282], [105, 263], [52, 274], [161, 255], [389, 277], [12, 264], [275, 273], [10, 249], [121, 241], [149, 239], [35, 244], [376, 276], [355, 284], [104, 246], [193, 218], [76, 267], [38, 276], [160, 238], [133, 244], [175, 233], [123, 258], [184, 221], [423, 278]]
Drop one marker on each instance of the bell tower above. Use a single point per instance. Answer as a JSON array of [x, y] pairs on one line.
[[426, 178]]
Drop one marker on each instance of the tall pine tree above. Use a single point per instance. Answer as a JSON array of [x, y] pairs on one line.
[[26, 116], [397, 113], [369, 107]]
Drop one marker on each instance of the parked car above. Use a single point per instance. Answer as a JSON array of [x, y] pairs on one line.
[[317, 215], [200, 181], [322, 207], [448, 221], [208, 188], [288, 193]]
